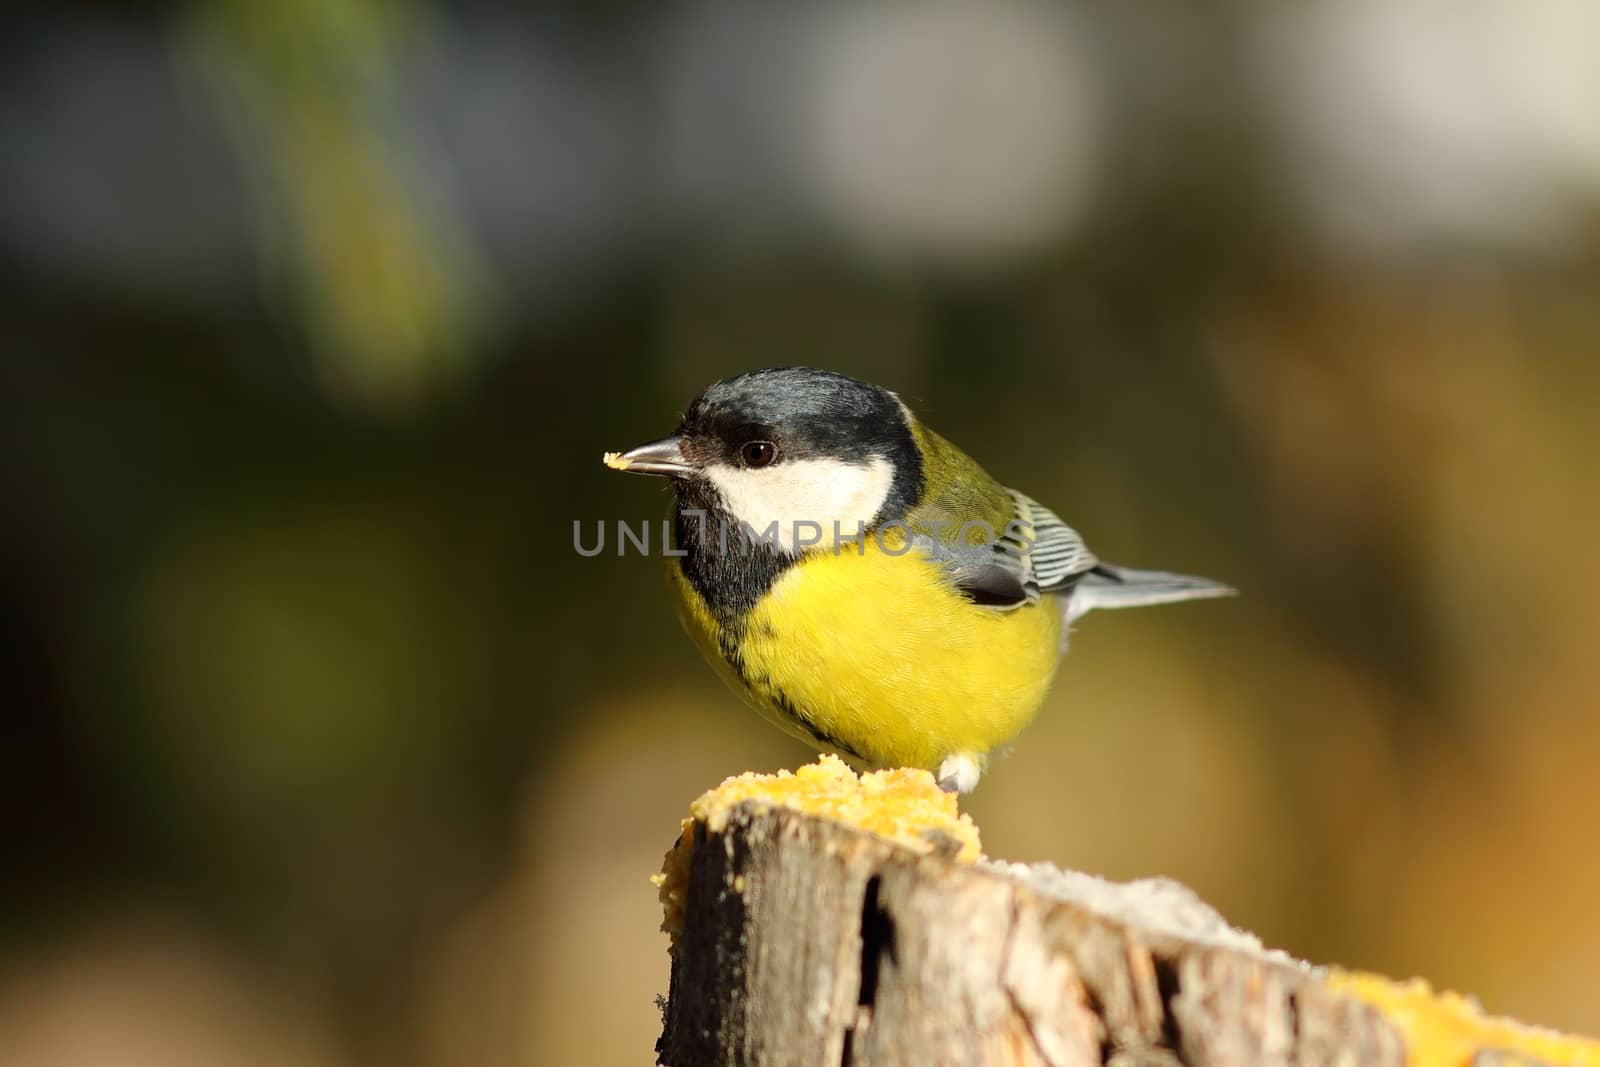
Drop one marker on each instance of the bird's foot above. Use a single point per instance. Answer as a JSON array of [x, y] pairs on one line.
[[959, 773]]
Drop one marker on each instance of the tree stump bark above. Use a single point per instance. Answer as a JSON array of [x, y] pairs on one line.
[[806, 940]]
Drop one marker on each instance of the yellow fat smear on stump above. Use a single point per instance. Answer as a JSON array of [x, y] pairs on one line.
[[904, 806], [1448, 1030]]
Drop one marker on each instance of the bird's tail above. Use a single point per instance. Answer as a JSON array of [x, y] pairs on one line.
[[1109, 586]]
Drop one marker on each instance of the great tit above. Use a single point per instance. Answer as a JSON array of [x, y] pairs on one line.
[[864, 584]]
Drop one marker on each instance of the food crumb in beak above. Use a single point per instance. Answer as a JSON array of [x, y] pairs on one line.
[[616, 461]]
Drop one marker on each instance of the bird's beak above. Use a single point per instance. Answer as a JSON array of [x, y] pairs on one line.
[[664, 457]]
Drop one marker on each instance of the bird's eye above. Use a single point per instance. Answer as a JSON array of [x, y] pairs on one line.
[[758, 453]]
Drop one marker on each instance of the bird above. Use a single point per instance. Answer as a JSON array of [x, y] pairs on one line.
[[865, 585]]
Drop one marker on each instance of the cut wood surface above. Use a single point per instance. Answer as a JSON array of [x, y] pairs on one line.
[[800, 937]]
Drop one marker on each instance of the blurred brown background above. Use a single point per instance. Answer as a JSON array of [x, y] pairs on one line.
[[322, 745]]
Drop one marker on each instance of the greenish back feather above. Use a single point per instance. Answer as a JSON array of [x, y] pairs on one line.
[[956, 490]]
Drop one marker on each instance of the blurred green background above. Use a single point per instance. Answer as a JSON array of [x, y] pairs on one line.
[[324, 747]]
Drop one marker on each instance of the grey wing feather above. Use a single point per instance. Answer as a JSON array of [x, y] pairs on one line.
[[991, 584], [1052, 552], [1036, 554], [990, 577]]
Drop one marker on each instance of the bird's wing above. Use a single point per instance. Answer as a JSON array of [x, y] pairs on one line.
[[1010, 551], [1032, 553], [1052, 553]]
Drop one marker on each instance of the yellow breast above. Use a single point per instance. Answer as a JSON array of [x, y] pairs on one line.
[[876, 655]]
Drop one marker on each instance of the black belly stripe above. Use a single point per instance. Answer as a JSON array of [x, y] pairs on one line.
[[728, 644], [731, 575], [822, 736]]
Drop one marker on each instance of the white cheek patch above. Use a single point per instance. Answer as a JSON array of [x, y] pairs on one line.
[[796, 493]]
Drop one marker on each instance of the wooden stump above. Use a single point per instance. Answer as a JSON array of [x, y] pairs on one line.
[[805, 940]]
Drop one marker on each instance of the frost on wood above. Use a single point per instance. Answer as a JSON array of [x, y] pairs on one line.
[[807, 941]]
